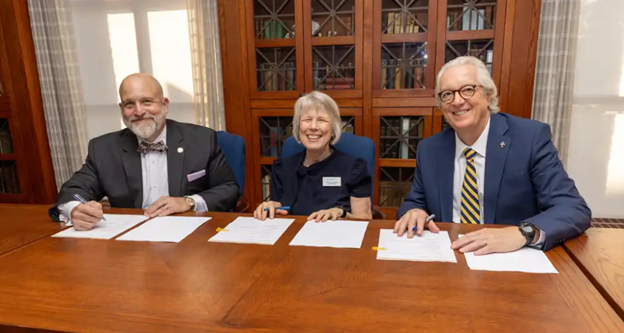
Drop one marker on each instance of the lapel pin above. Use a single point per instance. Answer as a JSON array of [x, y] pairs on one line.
[[502, 144], [180, 150]]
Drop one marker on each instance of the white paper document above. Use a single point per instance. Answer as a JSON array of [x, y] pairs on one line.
[[526, 260], [248, 230], [165, 229], [340, 234], [113, 226], [428, 247]]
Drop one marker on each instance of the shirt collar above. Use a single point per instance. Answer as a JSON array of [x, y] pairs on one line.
[[162, 136], [479, 146]]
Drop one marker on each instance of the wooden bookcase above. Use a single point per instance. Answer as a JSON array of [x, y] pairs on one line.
[[26, 174], [377, 58]]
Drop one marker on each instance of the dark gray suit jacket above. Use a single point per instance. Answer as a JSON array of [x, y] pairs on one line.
[[113, 169]]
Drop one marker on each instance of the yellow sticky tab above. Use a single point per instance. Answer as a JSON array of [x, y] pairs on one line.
[[375, 248], [220, 229]]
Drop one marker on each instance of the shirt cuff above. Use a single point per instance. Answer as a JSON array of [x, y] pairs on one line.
[[66, 209], [540, 241], [200, 203]]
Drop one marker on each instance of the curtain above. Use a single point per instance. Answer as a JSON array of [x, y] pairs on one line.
[[206, 61], [554, 73], [61, 89]]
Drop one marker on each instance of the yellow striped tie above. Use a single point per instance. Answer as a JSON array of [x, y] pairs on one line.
[[470, 193]]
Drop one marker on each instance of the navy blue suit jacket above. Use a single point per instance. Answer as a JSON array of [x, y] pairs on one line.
[[524, 181]]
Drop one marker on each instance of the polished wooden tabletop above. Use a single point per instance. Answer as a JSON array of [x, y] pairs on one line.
[[23, 224], [82, 285], [600, 254]]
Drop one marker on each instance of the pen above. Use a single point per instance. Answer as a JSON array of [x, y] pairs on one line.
[[81, 199], [429, 218], [280, 208]]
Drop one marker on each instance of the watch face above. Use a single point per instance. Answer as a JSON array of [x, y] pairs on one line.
[[527, 228]]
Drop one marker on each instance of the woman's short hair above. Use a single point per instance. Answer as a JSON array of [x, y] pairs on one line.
[[314, 101], [484, 77]]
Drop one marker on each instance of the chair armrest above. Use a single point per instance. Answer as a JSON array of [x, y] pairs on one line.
[[242, 205], [377, 214]]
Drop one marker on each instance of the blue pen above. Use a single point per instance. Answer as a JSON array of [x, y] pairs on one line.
[[429, 218], [280, 208], [81, 199]]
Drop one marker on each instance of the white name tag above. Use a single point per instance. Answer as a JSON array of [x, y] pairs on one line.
[[331, 181]]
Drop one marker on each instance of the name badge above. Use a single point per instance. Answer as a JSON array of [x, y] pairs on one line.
[[331, 181]]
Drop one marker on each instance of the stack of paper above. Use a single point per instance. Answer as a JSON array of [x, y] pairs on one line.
[[428, 247], [339, 234], [113, 226], [526, 260], [165, 229], [248, 230]]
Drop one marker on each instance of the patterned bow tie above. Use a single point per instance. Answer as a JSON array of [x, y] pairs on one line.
[[147, 147]]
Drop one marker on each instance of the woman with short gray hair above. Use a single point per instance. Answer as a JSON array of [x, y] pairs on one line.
[[320, 182]]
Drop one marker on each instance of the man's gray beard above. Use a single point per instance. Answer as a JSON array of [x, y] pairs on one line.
[[145, 129]]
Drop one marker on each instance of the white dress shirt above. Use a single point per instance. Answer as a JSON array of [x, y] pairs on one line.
[[480, 147], [155, 181]]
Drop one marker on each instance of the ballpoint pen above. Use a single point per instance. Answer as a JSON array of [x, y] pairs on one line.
[[429, 218], [81, 199], [279, 208]]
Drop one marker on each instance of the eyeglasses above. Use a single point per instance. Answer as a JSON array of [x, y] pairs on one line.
[[466, 92]]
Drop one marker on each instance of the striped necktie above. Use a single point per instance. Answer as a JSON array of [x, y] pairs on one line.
[[469, 194]]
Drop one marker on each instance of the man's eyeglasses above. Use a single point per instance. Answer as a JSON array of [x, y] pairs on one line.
[[131, 105], [466, 92]]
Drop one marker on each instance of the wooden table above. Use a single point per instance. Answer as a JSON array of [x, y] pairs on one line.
[[600, 255], [24, 224], [81, 285]]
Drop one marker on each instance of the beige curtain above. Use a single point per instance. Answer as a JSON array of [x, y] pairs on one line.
[[61, 89], [554, 73], [206, 60]]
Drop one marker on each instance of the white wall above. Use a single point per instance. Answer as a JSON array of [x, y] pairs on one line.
[[596, 151], [115, 39]]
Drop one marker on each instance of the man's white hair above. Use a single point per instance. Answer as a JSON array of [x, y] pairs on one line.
[[318, 100], [483, 75]]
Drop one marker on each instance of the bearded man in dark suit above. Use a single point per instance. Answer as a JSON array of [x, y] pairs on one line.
[[160, 165]]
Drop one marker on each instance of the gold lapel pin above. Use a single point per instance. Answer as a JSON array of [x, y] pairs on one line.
[[502, 144], [180, 150]]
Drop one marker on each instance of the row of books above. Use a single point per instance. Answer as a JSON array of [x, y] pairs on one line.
[[271, 29], [9, 182], [402, 23], [487, 56], [271, 78], [470, 19], [411, 128], [410, 77], [342, 79]]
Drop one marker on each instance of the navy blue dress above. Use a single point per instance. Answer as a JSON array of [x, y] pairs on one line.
[[323, 185]]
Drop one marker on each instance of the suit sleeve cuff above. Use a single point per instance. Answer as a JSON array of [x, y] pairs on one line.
[[200, 203], [66, 210]]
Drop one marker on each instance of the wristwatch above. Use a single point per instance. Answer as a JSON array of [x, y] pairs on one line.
[[190, 201], [344, 211], [528, 231]]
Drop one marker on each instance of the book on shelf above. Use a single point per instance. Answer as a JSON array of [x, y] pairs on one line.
[[390, 73], [291, 83], [384, 76]]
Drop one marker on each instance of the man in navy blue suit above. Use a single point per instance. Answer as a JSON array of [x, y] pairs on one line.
[[490, 168]]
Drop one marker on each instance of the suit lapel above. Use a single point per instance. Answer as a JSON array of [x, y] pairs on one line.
[[446, 166], [131, 160], [497, 147], [175, 159]]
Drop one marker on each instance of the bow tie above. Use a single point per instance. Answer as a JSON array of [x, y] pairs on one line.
[[148, 147]]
